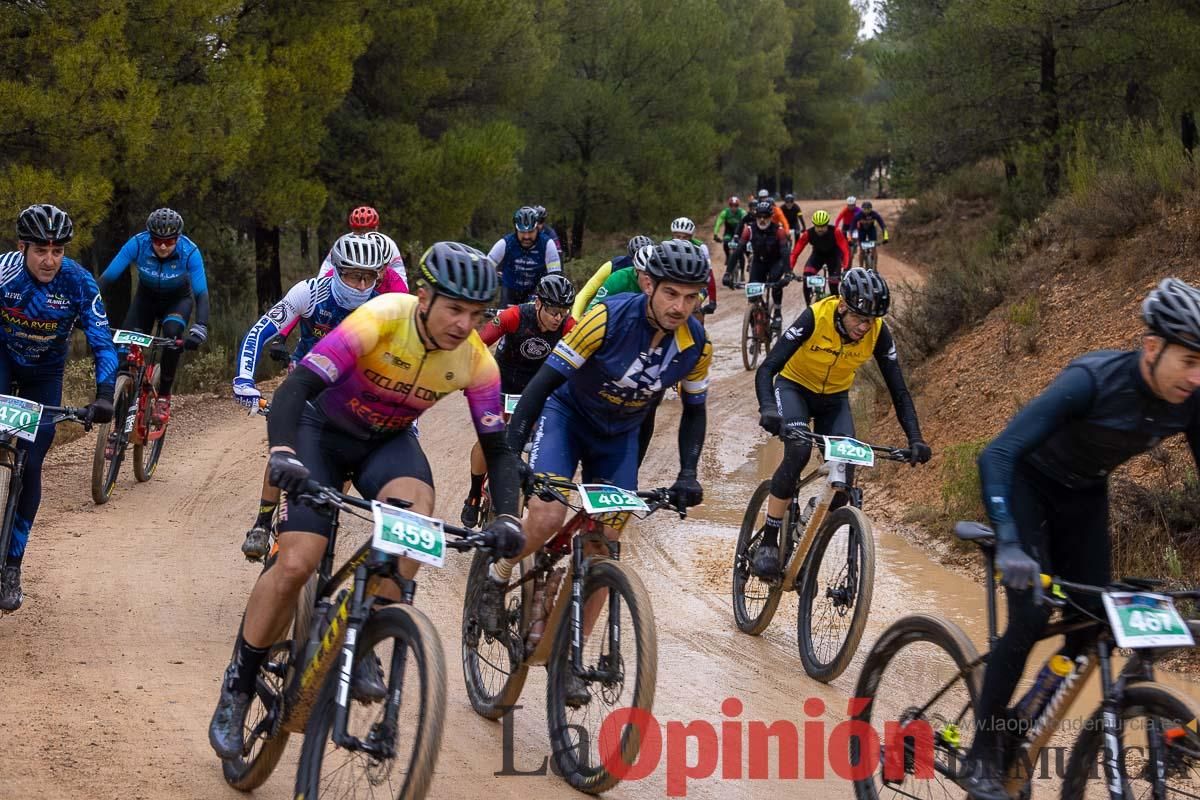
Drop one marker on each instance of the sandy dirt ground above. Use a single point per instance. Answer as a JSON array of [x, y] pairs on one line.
[[112, 666]]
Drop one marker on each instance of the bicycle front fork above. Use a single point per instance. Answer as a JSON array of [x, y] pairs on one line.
[[577, 610]]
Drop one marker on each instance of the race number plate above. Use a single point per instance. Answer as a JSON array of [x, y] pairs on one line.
[[754, 289], [1141, 619], [868, 245], [404, 533], [510, 402], [601, 499], [848, 451], [815, 281], [132, 337], [20, 417]]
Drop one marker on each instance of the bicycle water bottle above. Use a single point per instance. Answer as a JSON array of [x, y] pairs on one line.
[[1048, 681]]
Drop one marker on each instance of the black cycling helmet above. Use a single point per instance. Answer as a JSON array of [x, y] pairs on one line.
[[678, 261], [541, 213], [45, 224], [459, 271], [164, 223], [1172, 311], [525, 219], [789, 197], [637, 243], [764, 208], [555, 290], [866, 205], [866, 292]]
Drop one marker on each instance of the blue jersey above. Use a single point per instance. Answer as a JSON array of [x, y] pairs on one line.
[[521, 269], [614, 377], [174, 274], [36, 319]]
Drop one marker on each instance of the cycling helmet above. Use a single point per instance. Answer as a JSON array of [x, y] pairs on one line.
[[164, 223], [1172, 311], [358, 251], [764, 208], [851, 200], [678, 261], [789, 197], [734, 202], [459, 271], [525, 219], [44, 224], [683, 225], [541, 213], [637, 243], [763, 194], [865, 292], [555, 290], [641, 259], [820, 217], [867, 206], [363, 217]]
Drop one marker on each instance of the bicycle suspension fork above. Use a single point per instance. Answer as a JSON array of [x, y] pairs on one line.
[[577, 612]]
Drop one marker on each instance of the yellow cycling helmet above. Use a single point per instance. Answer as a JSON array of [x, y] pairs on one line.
[[820, 217]]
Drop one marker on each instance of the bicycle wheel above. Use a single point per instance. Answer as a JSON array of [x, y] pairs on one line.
[[754, 600], [493, 667], [922, 670], [1154, 719], [750, 343], [408, 723], [146, 453], [579, 754], [265, 738], [106, 466], [836, 582]]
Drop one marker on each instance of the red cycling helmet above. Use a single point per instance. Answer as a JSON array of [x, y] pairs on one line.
[[364, 217]]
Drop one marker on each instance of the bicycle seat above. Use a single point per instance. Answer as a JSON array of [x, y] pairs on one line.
[[975, 532]]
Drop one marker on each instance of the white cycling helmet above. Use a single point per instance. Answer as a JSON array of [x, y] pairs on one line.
[[683, 225], [763, 194], [642, 257], [851, 200], [358, 251]]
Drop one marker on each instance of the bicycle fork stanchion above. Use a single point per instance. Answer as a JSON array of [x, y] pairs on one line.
[[1110, 705]]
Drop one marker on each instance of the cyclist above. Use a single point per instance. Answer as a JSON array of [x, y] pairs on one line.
[[769, 243], [830, 251], [727, 226], [170, 272], [794, 215], [347, 412], [318, 305], [586, 295], [808, 374], [589, 398], [523, 257], [1044, 482], [864, 224], [845, 218], [545, 229], [45, 296], [530, 331]]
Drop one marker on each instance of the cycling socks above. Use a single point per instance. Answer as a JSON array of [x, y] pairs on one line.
[[246, 662], [476, 486], [771, 531], [266, 509]]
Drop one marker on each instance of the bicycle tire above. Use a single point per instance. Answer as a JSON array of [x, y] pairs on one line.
[[105, 470], [1150, 700], [750, 344], [743, 617], [412, 629], [602, 573], [819, 665], [916, 628], [246, 774], [145, 456], [486, 702]]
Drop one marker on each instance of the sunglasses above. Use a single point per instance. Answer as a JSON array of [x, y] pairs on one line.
[[170, 241], [556, 311]]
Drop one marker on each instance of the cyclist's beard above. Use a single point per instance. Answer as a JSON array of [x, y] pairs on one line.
[[345, 296]]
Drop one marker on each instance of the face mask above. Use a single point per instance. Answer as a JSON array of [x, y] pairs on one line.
[[347, 297]]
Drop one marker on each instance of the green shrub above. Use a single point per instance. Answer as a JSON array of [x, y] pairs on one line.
[[961, 498]]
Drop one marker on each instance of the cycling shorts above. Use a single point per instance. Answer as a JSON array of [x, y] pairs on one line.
[[334, 456], [797, 404], [148, 307], [832, 262]]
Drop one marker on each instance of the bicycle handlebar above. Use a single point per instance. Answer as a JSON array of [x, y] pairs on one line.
[[659, 498], [883, 451]]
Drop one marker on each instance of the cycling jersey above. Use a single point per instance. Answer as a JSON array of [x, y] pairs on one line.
[[795, 218], [525, 345], [728, 222], [381, 377], [865, 222], [552, 235], [312, 304], [1097, 414], [36, 319], [703, 247], [845, 217], [176, 273], [521, 269], [825, 246], [768, 244], [779, 218], [614, 376], [585, 297]]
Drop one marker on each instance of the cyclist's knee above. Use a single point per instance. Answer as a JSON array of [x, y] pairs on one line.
[[294, 566]]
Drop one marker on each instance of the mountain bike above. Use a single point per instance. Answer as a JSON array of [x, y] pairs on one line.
[[869, 257], [758, 332], [545, 625], [297, 689], [828, 556], [818, 285], [19, 420], [1141, 741], [133, 416]]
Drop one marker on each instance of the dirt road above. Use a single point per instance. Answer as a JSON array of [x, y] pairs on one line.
[[112, 666]]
